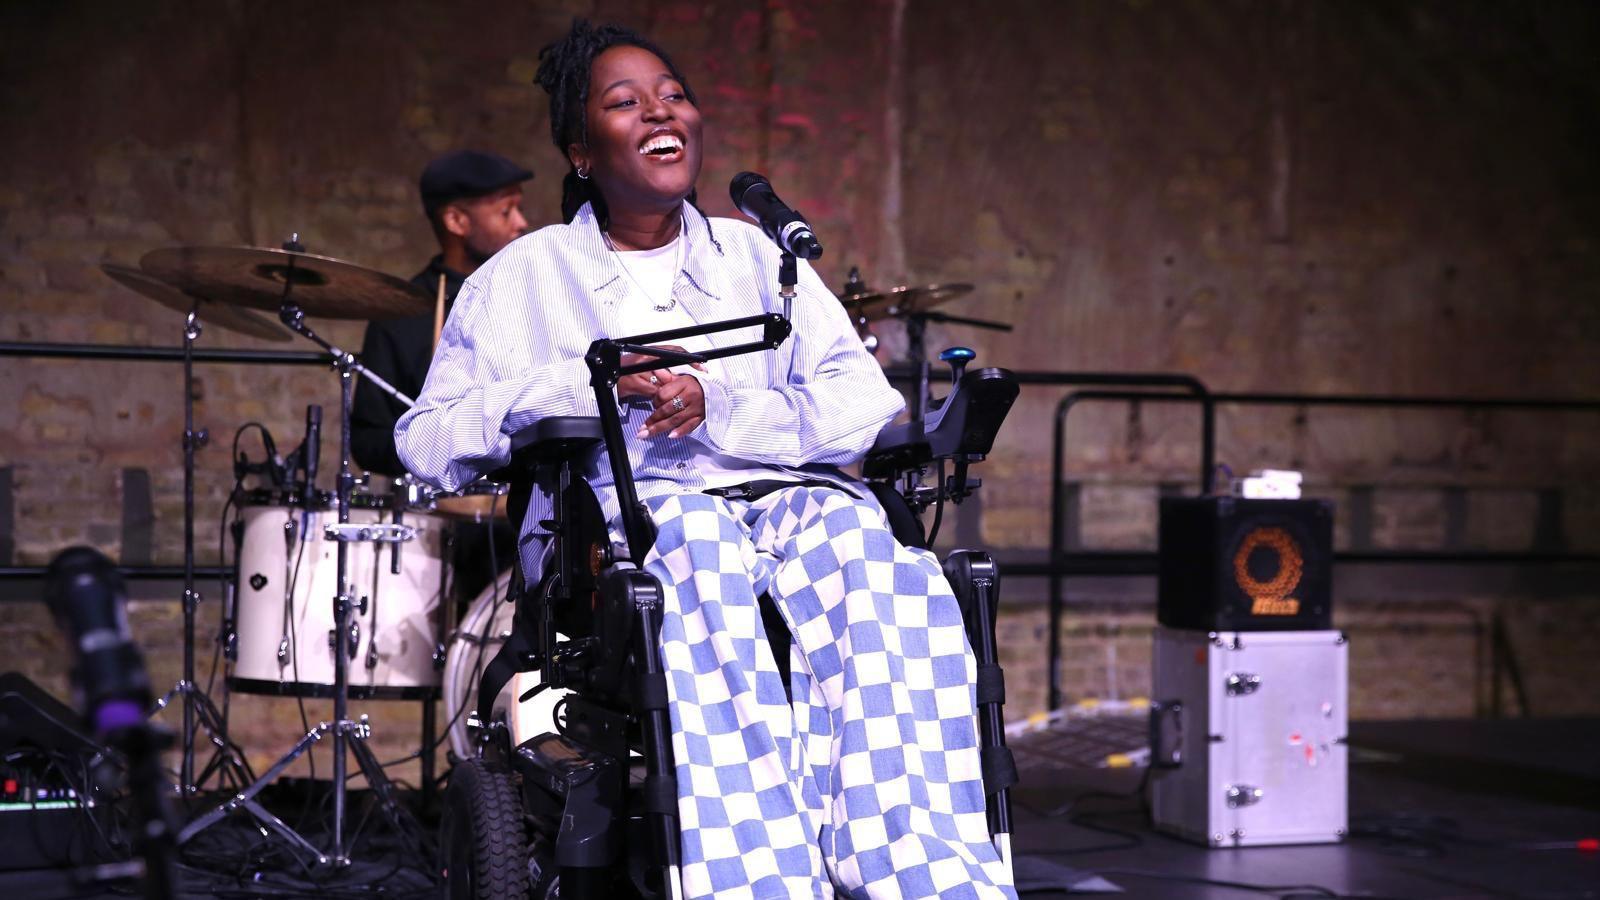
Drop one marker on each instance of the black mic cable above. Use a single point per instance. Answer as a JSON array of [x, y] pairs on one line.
[[310, 451]]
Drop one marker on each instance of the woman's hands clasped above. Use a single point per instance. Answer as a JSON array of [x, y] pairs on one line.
[[678, 400]]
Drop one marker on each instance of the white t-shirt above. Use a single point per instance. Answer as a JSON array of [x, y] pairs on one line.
[[652, 274]]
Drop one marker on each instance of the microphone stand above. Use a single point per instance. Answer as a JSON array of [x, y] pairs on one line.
[[604, 360]]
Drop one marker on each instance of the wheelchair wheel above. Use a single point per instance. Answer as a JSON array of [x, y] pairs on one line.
[[483, 843]]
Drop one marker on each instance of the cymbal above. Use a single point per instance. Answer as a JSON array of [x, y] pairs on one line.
[[324, 287], [898, 302], [229, 317]]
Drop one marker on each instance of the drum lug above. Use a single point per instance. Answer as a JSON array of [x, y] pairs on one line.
[[361, 605], [438, 657], [355, 638], [283, 650]]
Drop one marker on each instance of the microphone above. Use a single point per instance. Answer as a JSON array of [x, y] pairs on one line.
[[311, 450], [87, 598], [754, 197]]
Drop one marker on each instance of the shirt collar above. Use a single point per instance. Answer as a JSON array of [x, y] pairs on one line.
[[699, 256]]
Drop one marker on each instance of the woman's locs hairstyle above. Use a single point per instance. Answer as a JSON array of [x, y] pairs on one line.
[[564, 74]]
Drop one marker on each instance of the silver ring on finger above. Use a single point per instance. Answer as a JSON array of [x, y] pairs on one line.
[[677, 403], [654, 381]]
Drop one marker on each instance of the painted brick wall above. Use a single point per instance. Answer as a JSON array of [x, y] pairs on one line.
[[1283, 196]]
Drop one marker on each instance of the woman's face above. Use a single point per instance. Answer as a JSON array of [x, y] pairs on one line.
[[643, 147]]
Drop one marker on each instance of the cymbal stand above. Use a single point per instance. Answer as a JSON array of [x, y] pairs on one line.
[[347, 734], [197, 707]]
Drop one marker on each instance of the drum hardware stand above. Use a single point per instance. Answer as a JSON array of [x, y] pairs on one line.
[[346, 733], [197, 707]]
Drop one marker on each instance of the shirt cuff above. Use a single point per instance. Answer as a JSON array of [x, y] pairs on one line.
[[718, 409], [567, 385]]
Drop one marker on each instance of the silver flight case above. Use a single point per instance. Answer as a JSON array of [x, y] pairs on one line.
[[1248, 736]]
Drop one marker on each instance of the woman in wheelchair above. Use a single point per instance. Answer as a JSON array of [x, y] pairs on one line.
[[868, 781]]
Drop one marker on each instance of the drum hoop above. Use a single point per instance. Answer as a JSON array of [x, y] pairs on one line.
[[318, 691]]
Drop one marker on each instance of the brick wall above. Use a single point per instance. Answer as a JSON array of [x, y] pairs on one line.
[[1287, 196]]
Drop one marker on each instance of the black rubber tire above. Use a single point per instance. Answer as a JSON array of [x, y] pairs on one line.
[[483, 840]]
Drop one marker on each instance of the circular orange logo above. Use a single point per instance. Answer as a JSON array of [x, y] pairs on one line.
[[1290, 565]]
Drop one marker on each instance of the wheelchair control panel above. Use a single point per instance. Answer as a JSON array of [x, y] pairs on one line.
[[959, 429]]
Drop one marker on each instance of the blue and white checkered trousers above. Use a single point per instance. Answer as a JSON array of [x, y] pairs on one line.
[[869, 783]]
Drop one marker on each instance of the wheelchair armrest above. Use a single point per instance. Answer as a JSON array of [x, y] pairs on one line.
[[899, 447], [962, 427], [555, 438], [549, 440]]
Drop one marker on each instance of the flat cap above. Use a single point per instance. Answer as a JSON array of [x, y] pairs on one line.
[[466, 173]]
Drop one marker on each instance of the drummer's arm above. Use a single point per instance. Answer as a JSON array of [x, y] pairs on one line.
[[480, 390]]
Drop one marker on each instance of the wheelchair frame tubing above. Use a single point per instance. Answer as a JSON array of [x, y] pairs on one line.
[[661, 784], [975, 575]]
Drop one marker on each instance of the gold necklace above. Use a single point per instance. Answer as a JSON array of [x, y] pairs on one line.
[[672, 296]]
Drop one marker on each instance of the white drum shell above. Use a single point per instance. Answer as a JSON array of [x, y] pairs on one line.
[[400, 623]]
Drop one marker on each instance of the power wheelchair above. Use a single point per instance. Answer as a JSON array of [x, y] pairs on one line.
[[590, 809]]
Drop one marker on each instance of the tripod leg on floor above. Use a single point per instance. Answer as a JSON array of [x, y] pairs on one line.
[[245, 799], [399, 818]]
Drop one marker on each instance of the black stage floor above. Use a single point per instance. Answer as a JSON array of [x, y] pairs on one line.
[[1441, 810]]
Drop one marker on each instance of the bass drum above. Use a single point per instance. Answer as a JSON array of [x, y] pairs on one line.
[[482, 632]]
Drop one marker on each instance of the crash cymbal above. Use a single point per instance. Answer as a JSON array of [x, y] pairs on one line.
[[229, 317], [324, 287], [900, 301]]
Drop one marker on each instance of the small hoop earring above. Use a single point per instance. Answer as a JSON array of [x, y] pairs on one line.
[[583, 174]]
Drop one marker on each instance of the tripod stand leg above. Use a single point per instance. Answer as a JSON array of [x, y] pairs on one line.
[[228, 755], [399, 819], [246, 797], [283, 830]]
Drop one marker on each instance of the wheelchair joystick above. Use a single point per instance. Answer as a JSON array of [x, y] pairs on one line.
[[957, 357]]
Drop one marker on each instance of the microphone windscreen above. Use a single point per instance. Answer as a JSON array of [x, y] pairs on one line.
[[741, 185]]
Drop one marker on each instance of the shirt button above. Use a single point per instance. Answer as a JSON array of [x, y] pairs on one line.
[[683, 465]]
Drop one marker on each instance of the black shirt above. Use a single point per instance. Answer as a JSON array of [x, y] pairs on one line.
[[399, 351]]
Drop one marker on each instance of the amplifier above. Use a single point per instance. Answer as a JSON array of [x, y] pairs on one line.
[[48, 815], [1234, 564]]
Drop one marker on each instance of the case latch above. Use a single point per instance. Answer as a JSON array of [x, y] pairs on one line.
[[1243, 795], [1242, 683]]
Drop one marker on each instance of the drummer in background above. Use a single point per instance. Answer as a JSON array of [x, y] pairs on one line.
[[473, 200]]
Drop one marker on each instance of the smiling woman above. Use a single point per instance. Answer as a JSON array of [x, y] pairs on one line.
[[868, 783]]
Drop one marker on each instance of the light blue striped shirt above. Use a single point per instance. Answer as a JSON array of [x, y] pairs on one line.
[[512, 353]]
